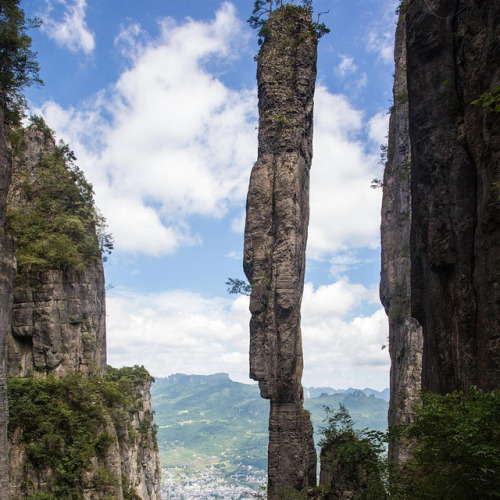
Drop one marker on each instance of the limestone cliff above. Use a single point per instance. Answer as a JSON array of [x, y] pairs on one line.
[[405, 334], [58, 317], [76, 428], [7, 269], [80, 438], [453, 56], [275, 239]]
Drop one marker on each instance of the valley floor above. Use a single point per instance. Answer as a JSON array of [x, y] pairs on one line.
[[183, 484]]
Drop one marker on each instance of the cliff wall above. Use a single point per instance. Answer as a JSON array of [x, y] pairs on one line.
[[58, 317], [78, 438], [453, 56], [275, 239], [77, 429], [405, 333], [7, 269]]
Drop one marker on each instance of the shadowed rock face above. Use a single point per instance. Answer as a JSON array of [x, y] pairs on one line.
[[7, 268], [275, 239], [453, 57], [405, 334]]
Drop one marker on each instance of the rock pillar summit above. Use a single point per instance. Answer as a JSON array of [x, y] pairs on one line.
[[275, 239]]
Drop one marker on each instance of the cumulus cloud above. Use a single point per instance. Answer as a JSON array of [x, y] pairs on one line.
[[345, 212], [378, 127], [64, 22], [178, 331], [346, 66], [169, 140]]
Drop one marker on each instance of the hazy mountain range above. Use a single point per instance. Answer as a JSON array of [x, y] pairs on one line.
[[212, 420]]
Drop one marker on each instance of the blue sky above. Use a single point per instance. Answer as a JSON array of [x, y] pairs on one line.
[[158, 101]]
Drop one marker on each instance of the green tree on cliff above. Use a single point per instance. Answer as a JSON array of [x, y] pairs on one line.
[[18, 65], [263, 8]]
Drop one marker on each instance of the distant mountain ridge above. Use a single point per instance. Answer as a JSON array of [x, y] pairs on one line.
[[309, 392], [212, 420], [316, 392]]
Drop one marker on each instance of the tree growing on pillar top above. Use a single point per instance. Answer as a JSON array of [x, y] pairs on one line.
[[262, 9]]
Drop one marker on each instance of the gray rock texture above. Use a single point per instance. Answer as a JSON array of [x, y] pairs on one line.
[[453, 56], [405, 334], [140, 461], [58, 323], [7, 269], [58, 316], [275, 239], [58, 327]]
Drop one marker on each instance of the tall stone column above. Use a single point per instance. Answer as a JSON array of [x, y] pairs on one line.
[[405, 333], [275, 240]]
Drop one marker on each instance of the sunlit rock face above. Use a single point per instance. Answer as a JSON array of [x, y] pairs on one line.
[[275, 240], [453, 56], [58, 317], [7, 269], [58, 328], [405, 334]]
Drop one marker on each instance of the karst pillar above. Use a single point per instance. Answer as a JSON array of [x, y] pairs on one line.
[[275, 240]]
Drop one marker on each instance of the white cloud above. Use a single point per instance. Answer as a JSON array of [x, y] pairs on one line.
[[177, 142], [346, 66], [131, 40], [345, 212], [343, 261], [238, 223], [67, 27], [378, 126], [361, 82], [170, 141], [235, 255], [381, 43], [379, 39], [184, 332], [178, 331]]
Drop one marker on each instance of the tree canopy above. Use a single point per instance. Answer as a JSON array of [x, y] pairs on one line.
[[18, 65]]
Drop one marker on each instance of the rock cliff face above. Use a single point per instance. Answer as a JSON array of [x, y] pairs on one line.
[[405, 334], [57, 334], [58, 316], [58, 323], [7, 268], [140, 458], [453, 56], [123, 462], [275, 239]]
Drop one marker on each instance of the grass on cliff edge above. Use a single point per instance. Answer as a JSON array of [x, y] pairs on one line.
[[62, 424]]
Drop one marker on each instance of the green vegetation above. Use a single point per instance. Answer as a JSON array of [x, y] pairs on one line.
[[263, 8], [237, 286], [52, 212], [456, 448], [456, 451], [63, 423], [211, 420], [356, 454], [18, 65], [489, 101]]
